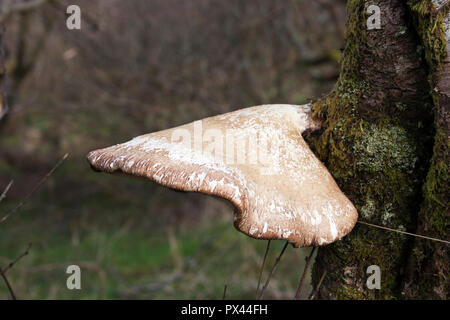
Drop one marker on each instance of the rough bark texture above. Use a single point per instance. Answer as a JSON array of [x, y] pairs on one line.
[[428, 276], [377, 142]]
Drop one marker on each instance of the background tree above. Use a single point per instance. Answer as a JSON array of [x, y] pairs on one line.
[[26, 51]]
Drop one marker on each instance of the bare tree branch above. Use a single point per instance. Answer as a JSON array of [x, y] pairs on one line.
[[10, 289], [10, 265], [36, 187], [3, 195], [273, 270], [302, 280], [262, 268], [313, 296]]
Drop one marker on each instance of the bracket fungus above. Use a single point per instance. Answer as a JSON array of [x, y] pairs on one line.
[[254, 157]]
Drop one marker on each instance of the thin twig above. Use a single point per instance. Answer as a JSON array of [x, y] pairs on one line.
[[224, 292], [308, 259], [273, 270], [403, 232], [10, 265], [318, 285], [36, 187], [262, 268], [3, 195], [11, 291]]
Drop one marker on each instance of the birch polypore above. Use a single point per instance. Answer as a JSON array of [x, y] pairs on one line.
[[257, 159]]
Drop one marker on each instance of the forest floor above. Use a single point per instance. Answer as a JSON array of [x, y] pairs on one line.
[[134, 262]]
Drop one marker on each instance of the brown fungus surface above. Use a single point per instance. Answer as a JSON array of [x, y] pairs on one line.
[[257, 159]]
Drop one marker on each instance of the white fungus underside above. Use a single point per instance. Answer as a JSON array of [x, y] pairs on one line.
[[287, 195]]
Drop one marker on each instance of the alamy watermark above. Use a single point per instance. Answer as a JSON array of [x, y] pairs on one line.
[[374, 20], [374, 280], [73, 21], [231, 146], [74, 280]]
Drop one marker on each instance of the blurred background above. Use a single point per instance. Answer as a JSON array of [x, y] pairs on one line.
[[139, 66]]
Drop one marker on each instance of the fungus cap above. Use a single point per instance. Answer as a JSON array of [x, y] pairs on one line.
[[254, 157]]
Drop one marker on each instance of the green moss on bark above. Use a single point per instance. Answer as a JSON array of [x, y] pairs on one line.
[[429, 24], [349, 293], [436, 188]]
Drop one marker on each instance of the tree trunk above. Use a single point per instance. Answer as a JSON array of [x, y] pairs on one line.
[[428, 274], [380, 124]]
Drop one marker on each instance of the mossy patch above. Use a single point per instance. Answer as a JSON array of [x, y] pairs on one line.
[[349, 293], [429, 25]]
